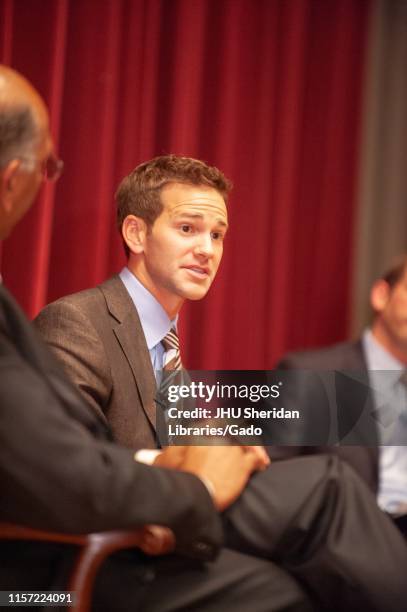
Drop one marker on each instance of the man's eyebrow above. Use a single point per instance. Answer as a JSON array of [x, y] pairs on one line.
[[186, 215], [222, 223]]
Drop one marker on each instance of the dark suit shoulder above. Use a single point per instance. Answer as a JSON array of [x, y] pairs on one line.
[[341, 356]]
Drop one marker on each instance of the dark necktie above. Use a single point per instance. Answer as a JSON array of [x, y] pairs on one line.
[[403, 378]]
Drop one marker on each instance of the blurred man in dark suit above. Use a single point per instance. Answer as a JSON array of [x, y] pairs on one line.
[[380, 358]]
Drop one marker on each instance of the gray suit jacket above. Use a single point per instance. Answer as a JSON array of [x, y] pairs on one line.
[[97, 336]]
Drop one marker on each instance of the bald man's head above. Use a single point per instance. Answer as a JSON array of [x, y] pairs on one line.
[[24, 144], [23, 116]]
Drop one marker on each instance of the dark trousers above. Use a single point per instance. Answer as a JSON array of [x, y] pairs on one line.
[[234, 582], [304, 526], [317, 519]]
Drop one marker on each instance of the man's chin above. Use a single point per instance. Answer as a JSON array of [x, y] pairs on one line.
[[194, 293]]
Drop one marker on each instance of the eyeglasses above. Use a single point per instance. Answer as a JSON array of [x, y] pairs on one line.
[[51, 167]]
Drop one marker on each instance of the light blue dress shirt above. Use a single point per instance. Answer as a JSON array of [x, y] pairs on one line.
[[390, 396], [154, 320]]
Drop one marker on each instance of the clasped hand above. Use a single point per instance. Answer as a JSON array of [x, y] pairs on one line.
[[224, 469]]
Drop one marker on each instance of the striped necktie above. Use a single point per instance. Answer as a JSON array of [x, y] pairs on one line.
[[172, 365], [172, 356]]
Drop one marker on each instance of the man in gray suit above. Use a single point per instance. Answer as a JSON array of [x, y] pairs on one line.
[[172, 215]]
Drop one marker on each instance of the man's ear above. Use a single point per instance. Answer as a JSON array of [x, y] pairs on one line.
[[8, 178], [379, 295], [134, 232]]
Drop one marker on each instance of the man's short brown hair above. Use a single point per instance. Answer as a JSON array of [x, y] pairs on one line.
[[139, 192], [395, 272]]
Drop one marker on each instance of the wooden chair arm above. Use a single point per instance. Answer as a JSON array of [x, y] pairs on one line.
[[94, 548]]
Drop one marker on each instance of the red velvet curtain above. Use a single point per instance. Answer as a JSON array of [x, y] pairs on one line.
[[268, 90]]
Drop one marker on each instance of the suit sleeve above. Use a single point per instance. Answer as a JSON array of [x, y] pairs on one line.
[[76, 344], [56, 476]]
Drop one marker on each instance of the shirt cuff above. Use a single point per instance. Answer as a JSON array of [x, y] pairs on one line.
[[147, 455], [209, 485]]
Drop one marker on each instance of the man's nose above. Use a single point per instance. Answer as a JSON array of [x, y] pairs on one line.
[[204, 245]]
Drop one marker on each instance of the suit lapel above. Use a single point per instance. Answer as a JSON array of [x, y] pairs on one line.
[[355, 359], [130, 335]]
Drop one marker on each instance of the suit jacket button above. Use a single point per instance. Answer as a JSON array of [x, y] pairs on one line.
[[202, 547], [148, 575]]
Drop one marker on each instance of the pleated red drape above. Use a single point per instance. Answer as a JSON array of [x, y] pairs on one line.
[[268, 90]]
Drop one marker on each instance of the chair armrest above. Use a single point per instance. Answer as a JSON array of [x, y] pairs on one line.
[[94, 548]]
